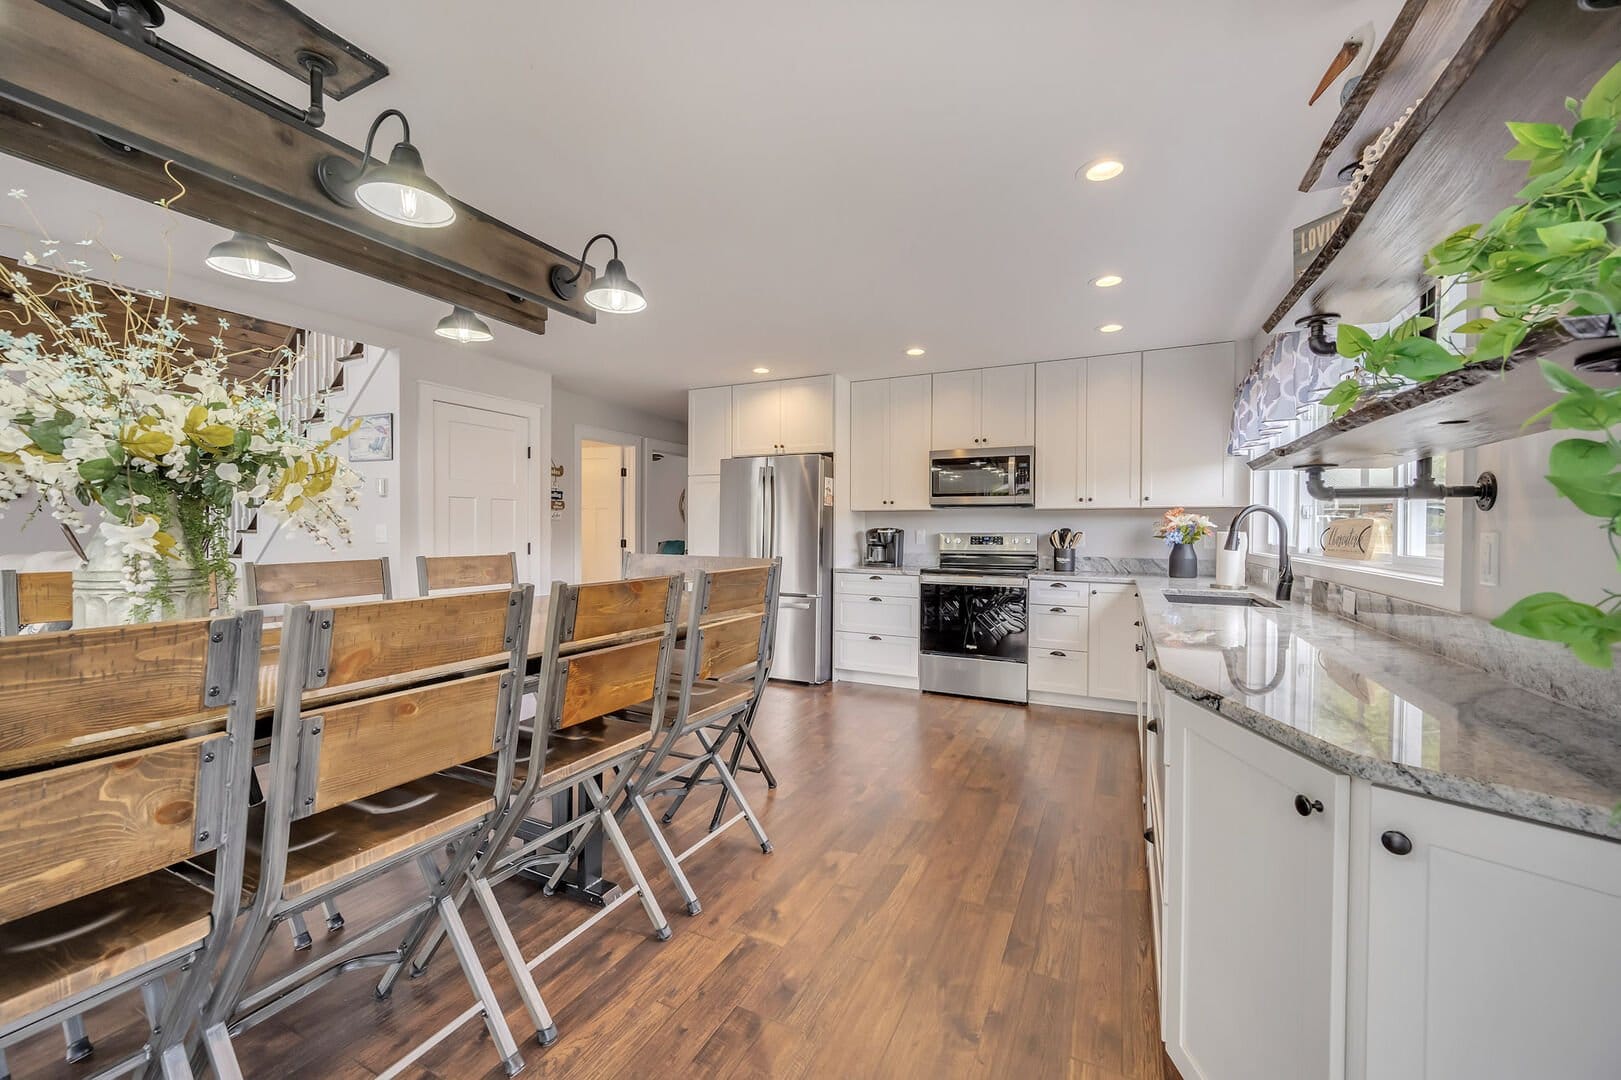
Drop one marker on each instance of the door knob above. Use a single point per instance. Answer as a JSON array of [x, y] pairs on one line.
[[1397, 843], [1305, 806]]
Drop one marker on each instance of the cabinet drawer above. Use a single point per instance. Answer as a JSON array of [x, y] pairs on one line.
[[872, 583], [1062, 593], [1058, 671], [1059, 625], [876, 614], [878, 653]]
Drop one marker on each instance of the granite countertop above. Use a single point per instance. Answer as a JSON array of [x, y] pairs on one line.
[[1377, 707], [902, 571]]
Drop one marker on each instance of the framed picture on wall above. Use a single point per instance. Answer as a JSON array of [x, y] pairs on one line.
[[373, 440]]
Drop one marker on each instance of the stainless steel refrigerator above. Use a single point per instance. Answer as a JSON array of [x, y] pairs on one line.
[[783, 506]]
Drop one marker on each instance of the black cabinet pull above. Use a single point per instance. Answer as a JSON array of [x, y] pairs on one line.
[[1055, 652], [1151, 666], [1397, 843], [874, 637], [1137, 622], [876, 599], [1153, 725], [875, 577], [1148, 834], [1059, 611], [1304, 806], [1057, 585]]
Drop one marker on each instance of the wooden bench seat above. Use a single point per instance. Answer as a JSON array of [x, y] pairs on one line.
[[76, 946], [348, 838]]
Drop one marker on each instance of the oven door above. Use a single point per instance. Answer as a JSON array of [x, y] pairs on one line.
[[982, 477], [974, 617]]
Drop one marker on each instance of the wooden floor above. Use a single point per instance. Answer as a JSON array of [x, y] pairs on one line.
[[958, 889]]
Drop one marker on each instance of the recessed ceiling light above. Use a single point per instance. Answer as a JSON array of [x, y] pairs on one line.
[[762, 371], [914, 351], [1102, 169], [1110, 328], [1107, 281]]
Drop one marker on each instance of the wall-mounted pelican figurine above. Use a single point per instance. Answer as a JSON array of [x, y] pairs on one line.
[[1351, 61]]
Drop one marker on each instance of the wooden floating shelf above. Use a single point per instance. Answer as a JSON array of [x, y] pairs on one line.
[[1480, 404], [1445, 167]]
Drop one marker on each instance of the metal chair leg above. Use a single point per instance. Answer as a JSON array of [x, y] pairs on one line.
[[221, 1054], [494, 1019], [748, 812], [512, 956], [759, 760], [610, 828], [667, 855], [301, 932], [77, 1039], [737, 756], [174, 1065], [153, 996], [334, 917]]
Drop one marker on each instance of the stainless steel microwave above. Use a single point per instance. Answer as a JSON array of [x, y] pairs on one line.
[[989, 477]]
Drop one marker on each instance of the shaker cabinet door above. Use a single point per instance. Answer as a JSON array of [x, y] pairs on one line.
[[910, 409], [756, 420], [869, 444], [1007, 400], [955, 410], [1187, 414]]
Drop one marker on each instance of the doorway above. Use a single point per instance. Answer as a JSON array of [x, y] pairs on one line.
[[664, 494], [607, 520]]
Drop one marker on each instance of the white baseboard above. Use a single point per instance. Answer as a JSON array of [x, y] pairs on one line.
[[871, 678], [1069, 701]]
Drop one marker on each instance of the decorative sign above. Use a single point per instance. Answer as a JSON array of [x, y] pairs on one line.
[[1350, 538], [373, 440], [1310, 238]]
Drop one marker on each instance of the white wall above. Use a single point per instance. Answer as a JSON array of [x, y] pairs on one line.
[[569, 412]]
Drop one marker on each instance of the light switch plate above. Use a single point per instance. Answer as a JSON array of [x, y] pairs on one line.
[[1490, 558], [380, 534]]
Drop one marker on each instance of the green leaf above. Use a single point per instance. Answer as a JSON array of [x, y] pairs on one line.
[[1344, 395], [1573, 237], [1605, 97], [1515, 289], [1594, 129], [1598, 496], [1581, 457], [1565, 382], [1411, 328], [1542, 136], [1421, 360], [98, 471], [1352, 341], [1474, 326], [1588, 632]]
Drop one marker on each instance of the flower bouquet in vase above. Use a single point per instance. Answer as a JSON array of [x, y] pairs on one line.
[[1181, 530], [161, 441]]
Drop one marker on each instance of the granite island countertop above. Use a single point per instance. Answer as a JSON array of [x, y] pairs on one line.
[[1373, 706]]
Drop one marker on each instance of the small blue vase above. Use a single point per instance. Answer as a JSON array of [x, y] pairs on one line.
[[1184, 561]]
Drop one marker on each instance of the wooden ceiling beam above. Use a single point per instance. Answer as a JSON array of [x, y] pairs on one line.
[[278, 33], [244, 165]]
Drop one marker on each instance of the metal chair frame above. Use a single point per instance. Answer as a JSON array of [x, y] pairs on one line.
[[500, 861], [231, 679], [234, 1009], [655, 780]]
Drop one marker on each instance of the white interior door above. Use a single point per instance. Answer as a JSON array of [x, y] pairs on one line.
[[604, 525], [481, 483], [664, 489]]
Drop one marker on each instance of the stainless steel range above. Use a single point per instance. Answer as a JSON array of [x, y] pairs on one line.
[[974, 637]]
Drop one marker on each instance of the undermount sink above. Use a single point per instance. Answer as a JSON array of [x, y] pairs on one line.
[[1236, 599]]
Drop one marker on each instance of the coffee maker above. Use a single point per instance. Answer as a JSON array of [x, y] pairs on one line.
[[884, 548]]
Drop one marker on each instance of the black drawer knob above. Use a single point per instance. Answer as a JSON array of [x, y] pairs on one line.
[[1397, 843], [1153, 725], [1305, 806], [1139, 646], [1148, 834]]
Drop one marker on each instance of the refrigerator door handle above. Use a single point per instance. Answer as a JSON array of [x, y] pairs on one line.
[[795, 605], [760, 508], [771, 512]]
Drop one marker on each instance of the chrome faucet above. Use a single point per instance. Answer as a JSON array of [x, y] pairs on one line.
[[1286, 576]]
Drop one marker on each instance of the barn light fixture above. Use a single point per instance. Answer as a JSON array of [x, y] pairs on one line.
[[249, 257], [461, 325], [401, 191], [611, 291]]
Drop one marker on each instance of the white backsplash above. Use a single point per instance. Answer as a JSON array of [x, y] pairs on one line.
[[1111, 533]]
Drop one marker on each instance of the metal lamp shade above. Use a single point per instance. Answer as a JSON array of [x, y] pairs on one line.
[[463, 326], [249, 257], [614, 292], [404, 193]]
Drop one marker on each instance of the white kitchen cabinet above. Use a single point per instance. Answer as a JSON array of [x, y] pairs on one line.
[[703, 515], [858, 654], [1112, 454], [875, 627], [1057, 671], [1256, 913], [1111, 641], [1492, 947], [875, 613], [988, 407], [709, 429], [1061, 434], [790, 416], [889, 443], [1187, 399]]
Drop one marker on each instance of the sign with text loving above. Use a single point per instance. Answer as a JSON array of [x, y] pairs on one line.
[[1350, 538], [1310, 238]]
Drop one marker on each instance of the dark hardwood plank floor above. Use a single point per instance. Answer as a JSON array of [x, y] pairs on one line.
[[958, 889]]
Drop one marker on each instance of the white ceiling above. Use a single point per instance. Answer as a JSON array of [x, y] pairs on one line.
[[814, 187]]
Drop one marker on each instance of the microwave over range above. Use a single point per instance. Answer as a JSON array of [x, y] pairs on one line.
[[985, 477]]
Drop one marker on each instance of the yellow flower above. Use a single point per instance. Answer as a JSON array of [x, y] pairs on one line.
[[338, 434], [141, 440], [202, 433]]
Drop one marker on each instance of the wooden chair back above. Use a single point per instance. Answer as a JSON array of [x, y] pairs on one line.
[[738, 621], [439, 573], [608, 647], [436, 688], [90, 812], [313, 582], [34, 597]]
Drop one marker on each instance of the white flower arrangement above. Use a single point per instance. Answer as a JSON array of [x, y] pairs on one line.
[[161, 439]]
